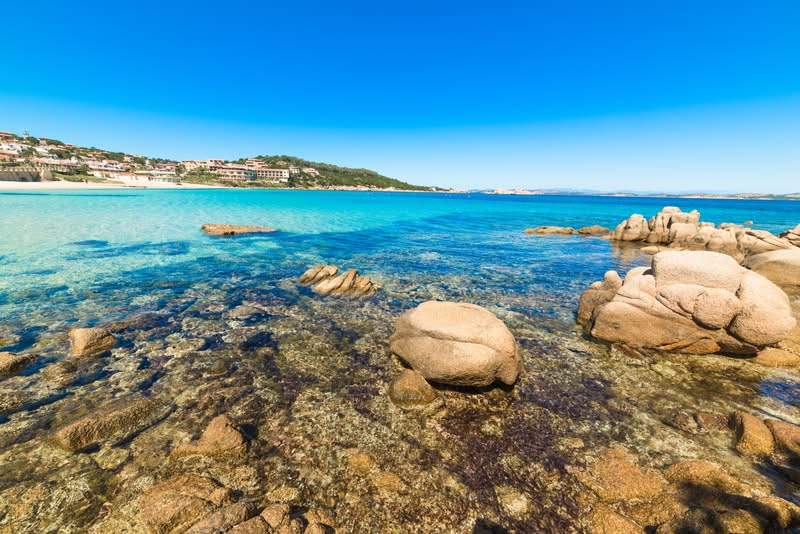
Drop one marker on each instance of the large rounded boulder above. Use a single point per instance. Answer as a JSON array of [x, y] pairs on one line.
[[691, 301], [457, 343]]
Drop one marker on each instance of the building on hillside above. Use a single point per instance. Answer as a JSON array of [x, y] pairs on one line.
[[311, 170], [273, 175], [235, 173], [294, 170]]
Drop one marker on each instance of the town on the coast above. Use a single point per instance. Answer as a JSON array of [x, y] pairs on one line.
[[26, 158]]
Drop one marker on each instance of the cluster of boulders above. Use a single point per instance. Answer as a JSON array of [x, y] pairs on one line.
[[777, 257], [326, 280], [235, 229], [197, 504], [688, 301], [792, 236], [758, 438], [453, 343], [688, 496], [567, 230]]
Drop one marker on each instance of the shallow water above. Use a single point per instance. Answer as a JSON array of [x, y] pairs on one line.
[[307, 375]]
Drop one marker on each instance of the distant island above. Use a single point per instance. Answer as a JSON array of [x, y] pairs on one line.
[[741, 196], [25, 158]]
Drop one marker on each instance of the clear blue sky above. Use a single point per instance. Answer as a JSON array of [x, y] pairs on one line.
[[636, 95]]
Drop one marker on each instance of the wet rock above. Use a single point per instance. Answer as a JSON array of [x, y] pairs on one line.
[[112, 423], [90, 341], [774, 357], [456, 343], [550, 230], [111, 458], [699, 473], [787, 437], [411, 390], [222, 437], [324, 280], [740, 522], [513, 502], [778, 511], [614, 477], [684, 421], [61, 373], [779, 266], [13, 363], [694, 521], [255, 525], [224, 518], [604, 520], [276, 515], [174, 505], [753, 438], [594, 229], [235, 229], [692, 302], [319, 516]]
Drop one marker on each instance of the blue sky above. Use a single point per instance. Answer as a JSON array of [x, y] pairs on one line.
[[660, 96]]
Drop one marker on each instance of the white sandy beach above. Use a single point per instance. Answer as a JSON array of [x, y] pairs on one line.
[[64, 185]]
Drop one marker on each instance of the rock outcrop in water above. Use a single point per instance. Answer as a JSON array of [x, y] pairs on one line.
[[457, 343], [683, 231], [222, 437], [13, 363], [325, 280], [410, 390], [90, 341], [235, 229], [594, 229], [693, 302], [687, 496], [112, 423]]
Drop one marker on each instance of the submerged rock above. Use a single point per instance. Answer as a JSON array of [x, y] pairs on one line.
[[222, 437], [692, 301], [174, 505], [457, 343], [551, 230], [410, 390], [787, 438], [614, 477], [753, 438], [113, 423], [13, 363], [235, 229], [323, 280], [90, 341], [775, 357]]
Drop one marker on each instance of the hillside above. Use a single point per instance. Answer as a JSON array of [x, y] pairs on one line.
[[76, 163], [316, 174]]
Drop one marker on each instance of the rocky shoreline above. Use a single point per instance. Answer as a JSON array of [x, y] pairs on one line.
[[284, 410]]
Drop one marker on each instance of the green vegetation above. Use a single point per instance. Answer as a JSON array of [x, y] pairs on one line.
[[334, 176]]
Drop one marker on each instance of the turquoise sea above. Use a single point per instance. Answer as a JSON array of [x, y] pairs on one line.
[[308, 373]]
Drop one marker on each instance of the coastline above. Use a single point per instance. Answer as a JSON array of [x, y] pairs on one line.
[[64, 185]]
